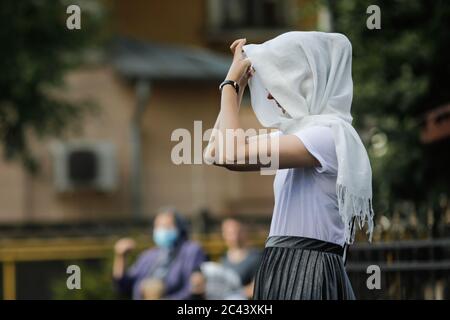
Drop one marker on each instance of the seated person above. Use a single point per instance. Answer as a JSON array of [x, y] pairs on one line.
[[239, 257], [172, 260]]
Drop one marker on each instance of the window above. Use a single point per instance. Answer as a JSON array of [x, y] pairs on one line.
[[229, 15]]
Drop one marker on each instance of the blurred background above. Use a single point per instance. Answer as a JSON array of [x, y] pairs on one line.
[[86, 118]]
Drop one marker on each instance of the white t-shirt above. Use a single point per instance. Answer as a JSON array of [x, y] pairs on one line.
[[305, 198]]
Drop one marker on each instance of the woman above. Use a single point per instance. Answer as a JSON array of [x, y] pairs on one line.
[[168, 266], [300, 83], [239, 257]]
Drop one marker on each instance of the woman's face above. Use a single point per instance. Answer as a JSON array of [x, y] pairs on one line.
[[232, 232], [165, 232], [165, 220], [270, 97]]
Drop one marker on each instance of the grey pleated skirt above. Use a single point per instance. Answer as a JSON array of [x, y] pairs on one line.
[[298, 268]]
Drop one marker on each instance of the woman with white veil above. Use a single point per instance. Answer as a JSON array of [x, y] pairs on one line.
[[301, 84]]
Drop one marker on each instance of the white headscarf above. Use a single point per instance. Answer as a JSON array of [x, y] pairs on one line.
[[309, 75]]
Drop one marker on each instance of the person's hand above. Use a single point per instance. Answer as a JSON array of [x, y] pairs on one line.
[[240, 69], [124, 245], [198, 283]]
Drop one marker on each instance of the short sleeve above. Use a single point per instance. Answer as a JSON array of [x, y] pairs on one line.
[[271, 134], [319, 142]]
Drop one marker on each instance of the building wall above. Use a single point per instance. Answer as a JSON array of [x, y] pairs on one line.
[[188, 23], [35, 197], [26, 199], [171, 21], [172, 106], [12, 191]]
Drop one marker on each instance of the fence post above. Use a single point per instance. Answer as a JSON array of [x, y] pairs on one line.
[[9, 280]]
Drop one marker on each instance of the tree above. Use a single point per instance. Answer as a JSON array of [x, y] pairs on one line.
[[37, 50], [400, 72]]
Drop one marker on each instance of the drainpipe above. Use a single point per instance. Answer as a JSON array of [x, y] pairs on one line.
[[142, 88], [332, 15]]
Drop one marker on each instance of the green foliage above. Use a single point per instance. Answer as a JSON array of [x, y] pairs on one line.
[[37, 50], [400, 72]]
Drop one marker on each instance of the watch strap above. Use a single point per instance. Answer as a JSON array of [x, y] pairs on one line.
[[230, 82]]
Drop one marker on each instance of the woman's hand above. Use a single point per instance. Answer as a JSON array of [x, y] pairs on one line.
[[121, 248], [124, 245], [240, 69]]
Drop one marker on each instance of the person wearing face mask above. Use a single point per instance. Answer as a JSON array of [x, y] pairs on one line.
[[171, 262]]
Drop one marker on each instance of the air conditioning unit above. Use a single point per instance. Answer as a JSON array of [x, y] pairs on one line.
[[84, 166]]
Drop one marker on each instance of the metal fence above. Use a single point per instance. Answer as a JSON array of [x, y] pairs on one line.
[[415, 269]]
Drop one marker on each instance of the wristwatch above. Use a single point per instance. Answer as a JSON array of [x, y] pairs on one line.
[[230, 82]]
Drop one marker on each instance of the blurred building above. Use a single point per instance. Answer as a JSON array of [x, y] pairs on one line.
[[161, 74]]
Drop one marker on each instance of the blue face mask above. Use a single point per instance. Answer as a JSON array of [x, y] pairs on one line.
[[165, 238]]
